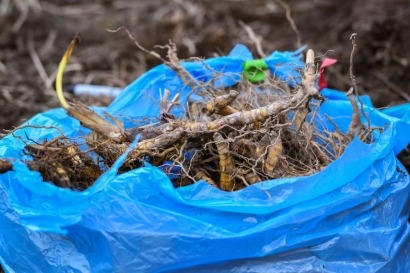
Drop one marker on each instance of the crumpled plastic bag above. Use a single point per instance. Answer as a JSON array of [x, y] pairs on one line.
[[350, 217]]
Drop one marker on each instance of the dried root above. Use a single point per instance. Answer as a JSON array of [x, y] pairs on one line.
[[226, 164], [274, 152], [202, 175], [228, 139], [220, 104], [61, 162]]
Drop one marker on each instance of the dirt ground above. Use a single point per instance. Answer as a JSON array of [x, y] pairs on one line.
[[35, 33]]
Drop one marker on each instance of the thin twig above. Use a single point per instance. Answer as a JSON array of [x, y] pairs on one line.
[[173, 102], [292, 22], [24, 9], [393, 86], [150, 52], [35, 127], [353, 78], [257, 40], [38, 64]]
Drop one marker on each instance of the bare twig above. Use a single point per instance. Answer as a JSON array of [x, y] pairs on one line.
[[356, 125], [291, 21], [152, 53], [35, 127], [173, 102], [352, 77], [38, 65], [257, 40], [393, 86]]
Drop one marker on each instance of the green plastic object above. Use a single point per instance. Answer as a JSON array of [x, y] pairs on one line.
[[254, 70]]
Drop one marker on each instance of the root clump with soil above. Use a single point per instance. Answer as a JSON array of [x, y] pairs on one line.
[[230, 138]]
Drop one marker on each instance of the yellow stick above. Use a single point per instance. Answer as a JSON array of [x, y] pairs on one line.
[[60, 71]]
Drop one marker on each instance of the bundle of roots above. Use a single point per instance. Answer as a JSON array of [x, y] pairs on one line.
[[230, 138]]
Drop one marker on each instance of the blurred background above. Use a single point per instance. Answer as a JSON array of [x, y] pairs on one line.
[[35, 33]]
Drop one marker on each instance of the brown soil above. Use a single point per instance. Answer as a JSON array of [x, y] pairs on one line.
[[35, 34]]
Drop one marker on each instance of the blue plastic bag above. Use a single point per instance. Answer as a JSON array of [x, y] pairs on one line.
[[350, 217]]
